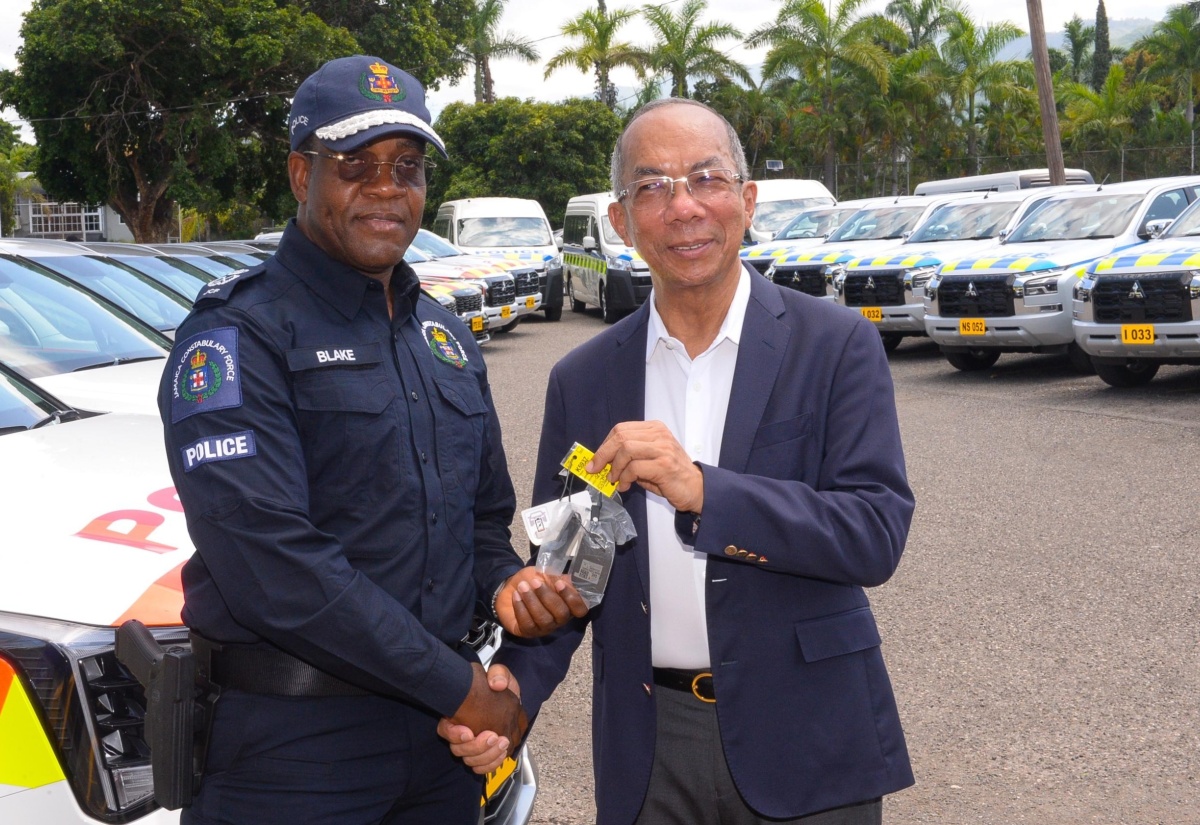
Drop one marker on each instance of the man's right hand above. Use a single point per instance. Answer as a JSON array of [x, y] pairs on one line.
[[486, 709]]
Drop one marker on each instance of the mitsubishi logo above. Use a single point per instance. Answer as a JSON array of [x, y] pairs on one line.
[[1136, 292], [870, 283], [971, 293]]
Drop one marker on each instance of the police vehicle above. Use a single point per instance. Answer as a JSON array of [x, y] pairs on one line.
[[878, 224], [84, 549], [169, 271], [810, 228], [525, 276], [888, 286], [501, 307], [1134, 312], [781, 199], [1014, 297], [598, 268]]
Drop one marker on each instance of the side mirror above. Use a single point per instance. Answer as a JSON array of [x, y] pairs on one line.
[[1153, 229], [1004, 233], [589, 243]]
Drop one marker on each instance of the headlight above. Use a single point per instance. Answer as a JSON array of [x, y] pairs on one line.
[[445, 300], [1041, 283], [1082, 291], [834, 271], [1194, 286], [622, 264], [918, 278]]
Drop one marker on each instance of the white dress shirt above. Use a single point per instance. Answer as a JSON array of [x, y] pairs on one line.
[[691, 398]]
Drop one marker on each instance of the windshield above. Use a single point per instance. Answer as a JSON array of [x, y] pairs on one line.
[[214, 266], [770, 216], [965, 222], [884, 223], [435, 246], [815, 223], [49, 327], [610, 234], [20, 406], [1187, 225], [182, 277], [498, 232], [1075, 219], [137, 294]]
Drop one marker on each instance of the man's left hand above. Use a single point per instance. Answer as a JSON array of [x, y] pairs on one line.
[[486, 751], [533, 603]]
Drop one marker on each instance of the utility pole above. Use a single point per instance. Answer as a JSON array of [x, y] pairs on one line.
[[1045, 87]]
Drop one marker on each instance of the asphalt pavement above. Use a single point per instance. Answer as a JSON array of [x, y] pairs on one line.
[[1042, 630]]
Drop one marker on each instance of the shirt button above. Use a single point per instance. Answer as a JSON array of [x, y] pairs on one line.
[[424, 458], [429, 585], [414, 395], [433, 517], [696, 387]]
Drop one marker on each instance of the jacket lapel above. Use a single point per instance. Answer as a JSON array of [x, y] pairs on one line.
[[625, 374], [760, 357]]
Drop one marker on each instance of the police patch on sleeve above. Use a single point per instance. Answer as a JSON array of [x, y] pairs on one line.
[[442, 343], [218, 448], [204, 373]]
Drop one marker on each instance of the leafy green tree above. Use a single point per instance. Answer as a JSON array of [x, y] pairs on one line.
[[599, 51], [139, 105], [1104, 119], [922, 20], [688, 48], [1175, 41], [758, 116], [817, 48], [1102, 56], [546, 151], [1078, 38], [485, 43]]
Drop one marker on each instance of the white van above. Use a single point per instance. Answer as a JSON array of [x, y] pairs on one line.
[[511, 228], [598, 268], [780, 200], [1000, 181]]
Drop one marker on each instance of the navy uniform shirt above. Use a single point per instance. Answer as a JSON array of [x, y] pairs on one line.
[[341, 472]]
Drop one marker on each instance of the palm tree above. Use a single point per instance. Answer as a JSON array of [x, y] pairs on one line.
[[922, 20], [1176, 41], [1107, 116], [1077, 59], [686, 48], [821, 49], [970, 71], [485, 44], [599, 50]]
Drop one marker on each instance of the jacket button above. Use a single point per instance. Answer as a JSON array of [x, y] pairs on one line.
[[762, 559], [731, 550], [742, 553], [751, 556]]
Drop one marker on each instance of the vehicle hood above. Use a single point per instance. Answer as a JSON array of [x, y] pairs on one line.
[[447, 268], [125, 388], [1031, 257], [835, 253], [95, 532], [1164, 254], [531, 254], [778, 249], [920, 254]]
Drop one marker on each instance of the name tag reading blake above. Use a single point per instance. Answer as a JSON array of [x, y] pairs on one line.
[[218, 448], [358, 355]]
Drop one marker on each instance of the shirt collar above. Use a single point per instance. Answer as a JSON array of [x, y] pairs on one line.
[[342, 287], [731, 327]]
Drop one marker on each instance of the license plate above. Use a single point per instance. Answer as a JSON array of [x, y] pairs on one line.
[[496, 779], [972, 326], [477, 324], [1140, 334], [505, 312], [872, 313], [529, 302]]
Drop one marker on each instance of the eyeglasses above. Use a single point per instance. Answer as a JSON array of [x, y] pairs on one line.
[[705, 185], [408, 172]]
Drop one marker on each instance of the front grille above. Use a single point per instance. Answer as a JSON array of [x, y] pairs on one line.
[[807, 279], [875, 289], [465, 302], [501, 291], [642, 284], [527, 282], [987, 296], [1161, 297], [761, 264]]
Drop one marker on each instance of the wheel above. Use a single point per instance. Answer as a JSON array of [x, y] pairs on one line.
[[972, 360], [553, 313], [1080, 360], [609, 316], [891, 340], [1133, 373], [576, 305]]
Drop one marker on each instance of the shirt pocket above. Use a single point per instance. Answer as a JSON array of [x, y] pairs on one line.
[[461, 427]]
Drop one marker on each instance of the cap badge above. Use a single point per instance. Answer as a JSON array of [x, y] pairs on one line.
[[379, 85]]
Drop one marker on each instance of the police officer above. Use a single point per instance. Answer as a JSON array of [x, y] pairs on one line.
[[332, 436]]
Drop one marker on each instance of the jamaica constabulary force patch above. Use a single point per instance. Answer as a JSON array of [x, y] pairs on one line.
[[442, 343], [205, 374]]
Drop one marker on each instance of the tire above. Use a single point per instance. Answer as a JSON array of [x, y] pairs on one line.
[[891, 340], [1135, 372], [553, 313], [1081, 362], [973, 360], [609, 316], [576, 306]]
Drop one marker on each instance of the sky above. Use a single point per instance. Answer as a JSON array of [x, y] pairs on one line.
[[542, 20]]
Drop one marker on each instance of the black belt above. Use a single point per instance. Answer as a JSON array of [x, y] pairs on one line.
[[266, 671], [699, 683]]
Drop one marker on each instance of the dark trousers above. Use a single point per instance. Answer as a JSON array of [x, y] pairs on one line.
[[353, 760], [690, 783]]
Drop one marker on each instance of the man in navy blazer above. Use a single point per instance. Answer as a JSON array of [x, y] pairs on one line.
[[736, 662]]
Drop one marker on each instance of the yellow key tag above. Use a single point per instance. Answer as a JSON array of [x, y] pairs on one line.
[[577, 460]]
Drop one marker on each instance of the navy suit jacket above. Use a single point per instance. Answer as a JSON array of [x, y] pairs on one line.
[[808, 505]]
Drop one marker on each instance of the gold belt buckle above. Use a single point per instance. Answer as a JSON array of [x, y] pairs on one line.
[[696, 688]]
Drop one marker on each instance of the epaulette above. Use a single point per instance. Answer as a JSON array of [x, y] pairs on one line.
[[219, 289]]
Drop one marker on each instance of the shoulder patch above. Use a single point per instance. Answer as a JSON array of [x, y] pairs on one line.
[[442, 343], [218, 448], [205, 374], [219, 289]]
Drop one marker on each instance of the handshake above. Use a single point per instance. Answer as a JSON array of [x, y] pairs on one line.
[[490, 723]]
